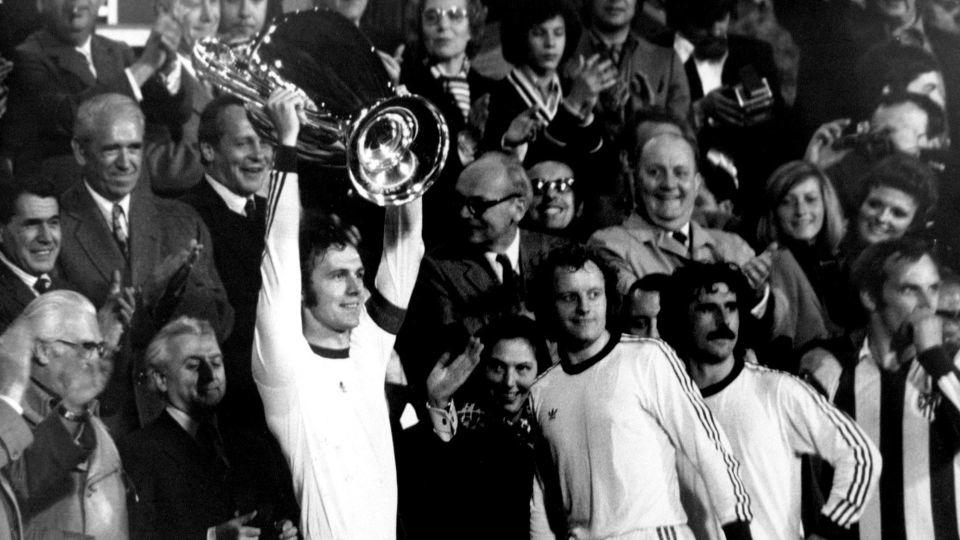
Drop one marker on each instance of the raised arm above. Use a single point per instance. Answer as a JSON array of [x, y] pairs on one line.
[[402, 252], [279, 319], [817, 427]]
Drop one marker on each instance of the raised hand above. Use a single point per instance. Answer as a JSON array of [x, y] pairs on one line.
[[820, 149], [523, 128], [448, 375], [115, 315], [590, 77], [285, 108], [392, 63], [757, 269]]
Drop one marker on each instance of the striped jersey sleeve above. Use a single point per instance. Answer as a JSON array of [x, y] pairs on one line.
[[815, 426], [692, 427]]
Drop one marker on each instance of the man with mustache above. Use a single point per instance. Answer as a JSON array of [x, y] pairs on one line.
[[896, 378], [771, 418], [613, 419]]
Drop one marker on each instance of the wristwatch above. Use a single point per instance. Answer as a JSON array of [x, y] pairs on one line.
[[72, 416]]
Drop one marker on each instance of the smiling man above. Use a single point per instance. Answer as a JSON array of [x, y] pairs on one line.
[[236, 164], [114, 226], [29, 243], [660, 236]]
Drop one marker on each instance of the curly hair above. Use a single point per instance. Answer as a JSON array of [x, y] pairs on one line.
[[907, 174]]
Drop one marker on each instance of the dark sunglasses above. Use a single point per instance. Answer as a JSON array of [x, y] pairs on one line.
[[560, 185], [478, 205]]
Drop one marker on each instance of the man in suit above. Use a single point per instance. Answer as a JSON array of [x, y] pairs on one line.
[[487, 273], [236, 165], [716, 63], [192, 475], [161, 247], [16, 352], [29, 243], [70, 482], [61, 64]]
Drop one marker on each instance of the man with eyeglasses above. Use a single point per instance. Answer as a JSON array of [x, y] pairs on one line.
[[465, 284], [70, 481]]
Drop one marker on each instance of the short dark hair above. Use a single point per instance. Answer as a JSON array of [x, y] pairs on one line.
[[528, 13], [907, 174], [686, 285], [320, 232], [872, 269], [32, 183], [895, 64], [575, 256], [209, 130], [516, 327], [697, 13], [936, 117], [654, 282]]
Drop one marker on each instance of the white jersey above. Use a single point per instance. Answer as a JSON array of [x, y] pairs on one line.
[[773, 419], [327, 408], [611, 430]]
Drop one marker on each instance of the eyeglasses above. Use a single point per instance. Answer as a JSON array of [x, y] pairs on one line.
[[949, 314], [560, 185], [478, 205], [84, 349], [455, 15]]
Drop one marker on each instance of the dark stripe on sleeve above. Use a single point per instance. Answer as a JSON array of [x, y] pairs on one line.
[[387, 316], [942, 488], [891, 448], [285, 159]]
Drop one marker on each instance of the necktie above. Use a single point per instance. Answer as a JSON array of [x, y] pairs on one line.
[[509, 278], [42, 284], [88, 57], [119, 231], [679, 237], [250, 208], [208, 435]]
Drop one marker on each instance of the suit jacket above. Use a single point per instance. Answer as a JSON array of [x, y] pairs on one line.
[[183, 490], [15, 295], [158, 228], [15, 436], [457, 288], [238, 244]]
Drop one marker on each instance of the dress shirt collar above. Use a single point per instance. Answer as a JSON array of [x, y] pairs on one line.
[[85, 49], [683, 46], [28, 279], [106, 206], [236, 203], [439, 74], [512, 252], [184, 420], [187, 64]]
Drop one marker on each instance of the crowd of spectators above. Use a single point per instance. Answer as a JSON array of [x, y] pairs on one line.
[[689, 270]]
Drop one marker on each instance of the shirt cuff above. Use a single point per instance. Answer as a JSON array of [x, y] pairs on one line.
[[444, 421], [173, 79], [133, 85], [13, 404], [761, 307]]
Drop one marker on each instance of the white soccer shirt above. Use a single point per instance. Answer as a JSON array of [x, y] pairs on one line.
[[328, 410], [772, 419], [612, 427]]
